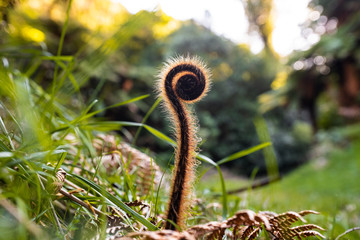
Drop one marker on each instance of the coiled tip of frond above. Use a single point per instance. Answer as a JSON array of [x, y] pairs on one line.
[[186, 77]]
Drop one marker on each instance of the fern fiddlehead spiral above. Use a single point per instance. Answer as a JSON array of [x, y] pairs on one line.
[[182, 81]]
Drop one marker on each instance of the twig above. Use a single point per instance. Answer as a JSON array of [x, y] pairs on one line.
[[346, 232], [77, 200], [255, 185], [74, 185], [82, 203]]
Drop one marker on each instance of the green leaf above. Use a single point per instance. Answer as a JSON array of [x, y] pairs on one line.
[[222, 183], [60, 162], [224, 193], [145, 118], [6, 154], [269, 153], [206, 159], [3, 147], [58, 58], [114, 125], [109, 107], [243, 153], [3, 128], [116, 202], [160, 135], [39, 155]]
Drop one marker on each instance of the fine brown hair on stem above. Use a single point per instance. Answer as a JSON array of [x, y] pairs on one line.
[[182, 80]]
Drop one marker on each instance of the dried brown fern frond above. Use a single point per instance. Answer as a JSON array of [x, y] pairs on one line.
[[280, 225], [253, 234], [117, 232], [247, 224], [57, 182], [146, 169], [241, 231], [309, 234], [162, 235], [244, 225], [116, 156], [307, 212], [211, 230], [248, 218], [285, 220]]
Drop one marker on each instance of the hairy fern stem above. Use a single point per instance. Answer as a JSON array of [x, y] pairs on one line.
[[182, 81]]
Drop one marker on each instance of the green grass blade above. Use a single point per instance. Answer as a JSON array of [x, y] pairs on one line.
[[224, 194], [269, 153], [90, 106], [109, 107], [115, 125], [42, 155], [85, 139], [58, 58], [6, 154], [160, 135], [60, 162], [12, 117], [4, 130], [243, 153], [222, 182], [4, 147], [61, 43], [206, 159], [114, 201], [108, 125], [153, 107]]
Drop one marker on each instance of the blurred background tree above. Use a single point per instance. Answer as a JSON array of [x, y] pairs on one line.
[[324, 80]]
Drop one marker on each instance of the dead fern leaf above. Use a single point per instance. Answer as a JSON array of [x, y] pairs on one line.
[[310, 234], [114, 154], [242, 232], [285, 220], [244, 217], [147, 170], [249, 218], [244, 225], [211, 230], [57, 182], [162, 235], [253, 234], [307, 212], [262, 219], [301, 231], [138, 203], [281, 225], [117, 231], [305, 228]]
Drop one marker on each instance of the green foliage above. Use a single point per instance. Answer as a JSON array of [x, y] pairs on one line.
[[32, 142], [35, 123]]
